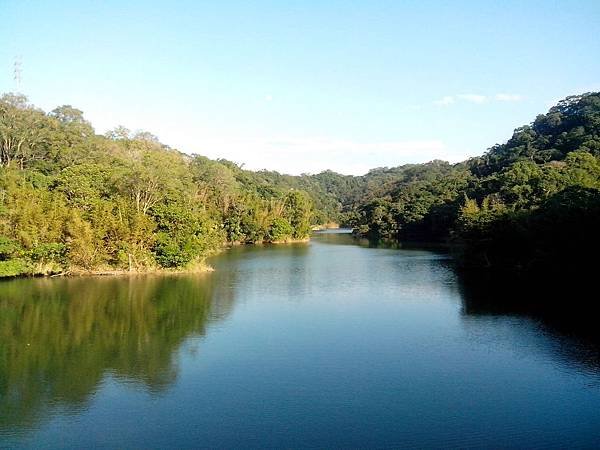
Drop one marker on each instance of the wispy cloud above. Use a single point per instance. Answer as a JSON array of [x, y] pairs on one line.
[[477, 98], [445, 101], [472, 98], [314, 154], [287, 153], [508, 97]]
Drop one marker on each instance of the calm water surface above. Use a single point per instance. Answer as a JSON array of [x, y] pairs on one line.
[[326, 344]]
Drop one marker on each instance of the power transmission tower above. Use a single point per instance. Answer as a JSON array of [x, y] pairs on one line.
[[18, 73]]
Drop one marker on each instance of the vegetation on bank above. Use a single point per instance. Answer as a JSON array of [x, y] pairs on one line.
[[531, 204], [73, 200]]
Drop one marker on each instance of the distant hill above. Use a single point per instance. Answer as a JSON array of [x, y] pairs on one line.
[[523, 204]]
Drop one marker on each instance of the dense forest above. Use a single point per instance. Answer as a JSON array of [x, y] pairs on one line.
[[531, 204], [72, 200]]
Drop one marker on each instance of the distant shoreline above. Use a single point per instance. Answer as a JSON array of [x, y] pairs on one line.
[[326, 226]]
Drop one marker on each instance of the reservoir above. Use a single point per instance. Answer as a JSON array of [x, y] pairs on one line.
[[325, 344]]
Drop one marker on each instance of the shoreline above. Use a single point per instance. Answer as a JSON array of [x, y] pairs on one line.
[[118, 273], [278, 242], [199, 268], [326, 226], [77, 273]]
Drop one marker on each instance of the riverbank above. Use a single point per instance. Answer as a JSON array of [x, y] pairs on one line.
[[199, 268], [277, 242], [326, 226], [54, 270], [80, 272]]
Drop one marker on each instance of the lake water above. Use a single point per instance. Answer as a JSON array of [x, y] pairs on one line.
[[321, 345]]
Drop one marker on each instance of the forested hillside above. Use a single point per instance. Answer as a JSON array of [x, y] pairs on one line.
[[531, 203], [74, 200]]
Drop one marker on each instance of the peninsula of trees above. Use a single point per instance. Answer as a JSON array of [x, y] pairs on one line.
[[72, 200]]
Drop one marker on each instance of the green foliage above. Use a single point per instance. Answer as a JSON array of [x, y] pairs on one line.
[[298, 209], [549, 236], [13, 268], [378, 220], [8, 248], [280, 230], [525, 204], [72, 200], [45, 253], [182, 237], [573, 124], [420, 204]]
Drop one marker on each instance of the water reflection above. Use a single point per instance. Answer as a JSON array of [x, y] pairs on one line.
[[275, 270], [60, 338], [328, 344], [562, 323], [344, 236], [555, 316]]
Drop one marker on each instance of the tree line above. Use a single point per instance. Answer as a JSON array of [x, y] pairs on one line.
[[74, 200], [530, 204], [71, 199]]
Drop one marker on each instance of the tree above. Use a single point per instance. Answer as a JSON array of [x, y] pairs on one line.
[[298, 209], [24, 132]]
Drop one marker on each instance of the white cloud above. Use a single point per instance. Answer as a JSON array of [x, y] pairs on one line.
[[508, 97], [283, 152], [445, 101], [477, 98], [472, 98], [297, 155]]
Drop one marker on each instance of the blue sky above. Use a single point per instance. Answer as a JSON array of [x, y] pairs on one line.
[[301, 86]]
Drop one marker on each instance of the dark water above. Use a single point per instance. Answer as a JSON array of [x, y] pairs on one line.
[[327, 344]]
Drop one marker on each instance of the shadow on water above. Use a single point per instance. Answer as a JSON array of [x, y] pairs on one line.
[[560, 304], [63, 340], [344, 236], [561, 308], [60, 338]]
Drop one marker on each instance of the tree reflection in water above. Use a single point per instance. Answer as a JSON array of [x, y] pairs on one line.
[[60, 338], [558, 309]]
